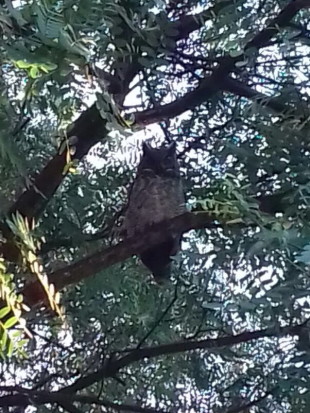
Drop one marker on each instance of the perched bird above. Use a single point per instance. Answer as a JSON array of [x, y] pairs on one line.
[[156, 195]]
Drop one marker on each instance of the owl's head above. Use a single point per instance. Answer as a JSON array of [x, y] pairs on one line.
[[159, 161]]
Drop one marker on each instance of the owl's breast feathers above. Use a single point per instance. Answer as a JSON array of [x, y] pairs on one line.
[[153, 199]]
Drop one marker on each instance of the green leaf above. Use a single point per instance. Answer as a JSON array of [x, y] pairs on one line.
[[4, 311], [152, 40], [10, 322], [48, 67], [304, 256], [212, 306], [171, 31], [120, 43], [34, 72], [22, 64], [4, 338], [241, 63], [10, 348], [145, 62], [236, 53]]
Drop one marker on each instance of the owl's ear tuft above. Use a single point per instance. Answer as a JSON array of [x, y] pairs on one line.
[[146, 148], [171, 147]]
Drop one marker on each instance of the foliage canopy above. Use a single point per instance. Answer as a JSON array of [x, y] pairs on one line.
[[82, 82]]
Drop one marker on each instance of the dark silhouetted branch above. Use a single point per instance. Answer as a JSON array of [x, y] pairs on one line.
[[30, 397], [240, 89], [119, 407], [90, 265], [89, 128], [112, 367]]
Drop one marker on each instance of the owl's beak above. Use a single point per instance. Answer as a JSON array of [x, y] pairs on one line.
[[171, 147]]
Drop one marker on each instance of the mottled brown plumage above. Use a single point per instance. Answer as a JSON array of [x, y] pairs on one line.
[[156, 195]]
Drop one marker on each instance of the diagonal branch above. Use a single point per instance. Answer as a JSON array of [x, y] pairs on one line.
[[241, 89], [29, 397], [218, 79], [205, 91], [119, 407], [92, 264], [89, 266], [111, 368], [89, 128]]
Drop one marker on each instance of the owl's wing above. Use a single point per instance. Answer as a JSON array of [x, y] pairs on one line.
[[133, 221]]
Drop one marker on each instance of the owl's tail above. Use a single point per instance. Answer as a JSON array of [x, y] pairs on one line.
[[162, 274], [158, 261]]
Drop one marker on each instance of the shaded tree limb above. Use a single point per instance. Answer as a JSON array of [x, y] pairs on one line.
[[114, 365], [90, 265], [33, 201], [269, 204], [89, 128], [23, 397], [241, 89], [213, 83], [86, 267], [26, 397], [208, 87], [116, 406]]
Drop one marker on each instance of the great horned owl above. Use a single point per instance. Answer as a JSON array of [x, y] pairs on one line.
[[156, 195]]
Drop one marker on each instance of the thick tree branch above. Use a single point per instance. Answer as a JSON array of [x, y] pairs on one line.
[[27, 397], [119, 407], [269, 204], [90, 265], [241, 89], [215, 82], [200, 95], [90, 128], [32, 201], [23, 397], [111, 368]]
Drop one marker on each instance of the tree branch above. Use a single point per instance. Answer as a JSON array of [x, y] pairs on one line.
[[213, 83], [90, 265], [240, 89], [89, 128], [120, 407], [86, 267], [64, 399], [112, 367], [23, 397]]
